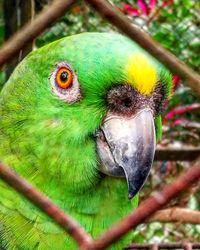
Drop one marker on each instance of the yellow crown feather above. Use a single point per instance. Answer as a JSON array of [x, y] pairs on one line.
[[141, 73]]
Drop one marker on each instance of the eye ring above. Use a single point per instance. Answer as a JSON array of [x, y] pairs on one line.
[[64, 78], [64, 83]]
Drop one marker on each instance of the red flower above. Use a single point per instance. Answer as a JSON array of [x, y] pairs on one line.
[[130, 10], [175, 81], [143, 7]]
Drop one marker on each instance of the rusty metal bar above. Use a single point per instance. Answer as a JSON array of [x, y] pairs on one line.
[[32, 29], [111, 14], [155, 247], [188, 246], [176, 246], [146, 209], [176, 214], [41, 201], [173, 154]]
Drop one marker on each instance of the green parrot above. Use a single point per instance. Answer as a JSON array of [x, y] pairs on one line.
[[79, 120]]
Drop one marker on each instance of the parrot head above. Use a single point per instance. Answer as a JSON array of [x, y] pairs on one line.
[[92, 104]]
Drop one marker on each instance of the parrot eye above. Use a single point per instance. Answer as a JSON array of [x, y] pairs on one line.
[[64, 78], [65, 84]]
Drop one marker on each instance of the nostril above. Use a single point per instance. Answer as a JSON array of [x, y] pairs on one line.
[[122, 99], [127, 102]]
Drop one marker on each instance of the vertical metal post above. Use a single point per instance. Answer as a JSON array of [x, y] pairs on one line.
[[16, 14]]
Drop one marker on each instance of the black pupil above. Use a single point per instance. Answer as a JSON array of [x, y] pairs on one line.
[[64, 76]]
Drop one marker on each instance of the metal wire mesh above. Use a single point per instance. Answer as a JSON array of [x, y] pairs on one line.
[[165, 246]]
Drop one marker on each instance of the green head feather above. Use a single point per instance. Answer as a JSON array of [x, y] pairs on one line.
[[49, 141]]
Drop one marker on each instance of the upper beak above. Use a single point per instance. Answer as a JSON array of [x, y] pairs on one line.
[[126, 147]]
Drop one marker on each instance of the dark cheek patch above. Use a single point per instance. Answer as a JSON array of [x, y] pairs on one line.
[[121, 99], [125, 100], [159, 98]]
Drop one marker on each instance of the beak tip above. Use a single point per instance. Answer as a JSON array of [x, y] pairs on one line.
[[130, 195]]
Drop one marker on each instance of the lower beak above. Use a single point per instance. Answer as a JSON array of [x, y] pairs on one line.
[[126, 147]]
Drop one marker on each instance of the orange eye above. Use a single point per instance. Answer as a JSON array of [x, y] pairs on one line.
[[64, 78]]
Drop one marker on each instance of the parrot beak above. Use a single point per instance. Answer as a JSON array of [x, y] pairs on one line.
[[126, 147]]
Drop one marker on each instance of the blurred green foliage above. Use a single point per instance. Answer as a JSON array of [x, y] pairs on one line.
[[177, 29]]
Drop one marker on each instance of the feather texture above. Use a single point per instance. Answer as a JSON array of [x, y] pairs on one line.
[[49, 142]]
